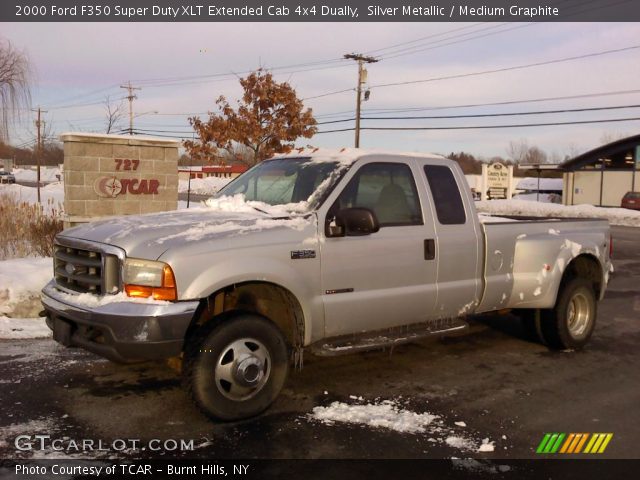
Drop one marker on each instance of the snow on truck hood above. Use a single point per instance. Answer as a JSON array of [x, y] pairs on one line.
[[150, 235]]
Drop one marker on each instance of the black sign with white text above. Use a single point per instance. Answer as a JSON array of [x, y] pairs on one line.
[[319, 11]]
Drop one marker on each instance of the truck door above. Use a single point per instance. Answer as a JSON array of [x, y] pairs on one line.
[[458, 253], [384, 279]]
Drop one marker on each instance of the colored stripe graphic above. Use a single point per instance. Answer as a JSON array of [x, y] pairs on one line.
[[543, 443], [581, 442], [573, 443], [598, 443]]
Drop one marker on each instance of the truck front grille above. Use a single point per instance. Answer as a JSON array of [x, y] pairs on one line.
[[85, 271]]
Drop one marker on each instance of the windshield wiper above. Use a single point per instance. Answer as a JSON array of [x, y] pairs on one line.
[[260, 210]]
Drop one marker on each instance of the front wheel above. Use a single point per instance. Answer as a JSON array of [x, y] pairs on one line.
[[235, 369], [571, 322]]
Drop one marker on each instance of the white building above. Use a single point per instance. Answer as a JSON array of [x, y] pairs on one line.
[[603, 175]]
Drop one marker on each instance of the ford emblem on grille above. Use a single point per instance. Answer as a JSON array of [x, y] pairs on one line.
[[70, 268]]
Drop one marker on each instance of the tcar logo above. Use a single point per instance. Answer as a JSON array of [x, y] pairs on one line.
[[111, 187], [108, 187]]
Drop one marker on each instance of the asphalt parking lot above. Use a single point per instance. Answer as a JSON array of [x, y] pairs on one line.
[[502, 387]]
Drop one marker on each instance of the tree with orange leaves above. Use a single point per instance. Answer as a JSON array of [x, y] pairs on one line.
[[268, 119]]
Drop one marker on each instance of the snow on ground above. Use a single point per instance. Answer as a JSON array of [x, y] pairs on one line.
[[203, 186], [21, 280], [539, 197], [51, 196], [385, 415], [390, 415], [616, 216], [47, 174], [531, 184], [21, 328]]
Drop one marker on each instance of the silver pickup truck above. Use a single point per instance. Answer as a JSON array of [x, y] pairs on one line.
[[330, 252]]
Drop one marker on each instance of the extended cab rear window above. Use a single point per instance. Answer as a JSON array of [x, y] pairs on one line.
[[446, 195]]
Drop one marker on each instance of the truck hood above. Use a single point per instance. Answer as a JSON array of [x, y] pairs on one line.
[[149, 236]]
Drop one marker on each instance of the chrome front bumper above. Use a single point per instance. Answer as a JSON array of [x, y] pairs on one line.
[[121, 331]]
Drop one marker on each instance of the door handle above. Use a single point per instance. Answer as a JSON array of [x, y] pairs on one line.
[[429, 249]]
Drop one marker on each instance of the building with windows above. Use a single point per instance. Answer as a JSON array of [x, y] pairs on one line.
[[204, 171], [603, 175]]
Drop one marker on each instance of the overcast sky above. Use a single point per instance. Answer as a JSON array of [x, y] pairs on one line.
[[78, 64]]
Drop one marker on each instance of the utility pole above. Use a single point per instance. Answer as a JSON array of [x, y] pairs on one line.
[[130, 97], [361, 59], [39, 124]]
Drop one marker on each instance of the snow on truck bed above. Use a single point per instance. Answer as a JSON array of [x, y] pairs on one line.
[[616, 216]]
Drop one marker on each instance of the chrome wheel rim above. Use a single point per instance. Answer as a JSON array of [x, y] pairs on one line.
[[578, 315], [242, 369]]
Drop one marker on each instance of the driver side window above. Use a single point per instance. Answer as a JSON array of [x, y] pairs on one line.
[[388, 189]]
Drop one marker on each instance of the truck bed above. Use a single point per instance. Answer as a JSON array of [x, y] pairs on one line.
[[540, 250]]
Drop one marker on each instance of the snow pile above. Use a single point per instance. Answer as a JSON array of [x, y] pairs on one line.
[[47, 174], [487, 446], [539, 197], [384, 415], [92, 301], [238, 204], [616, 216], [390, 415], [203, 186], [21, 328], [460, 443], [20, 283]]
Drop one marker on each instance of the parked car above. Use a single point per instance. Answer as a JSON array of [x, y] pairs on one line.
[[335, 253], [631, 200], [6, 177]]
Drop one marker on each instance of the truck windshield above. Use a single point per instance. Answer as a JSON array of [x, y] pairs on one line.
[[286, 181]]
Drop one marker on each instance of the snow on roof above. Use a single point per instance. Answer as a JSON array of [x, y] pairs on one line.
[[347, 156]]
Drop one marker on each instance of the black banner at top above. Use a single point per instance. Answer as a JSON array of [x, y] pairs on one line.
[[319, 11]]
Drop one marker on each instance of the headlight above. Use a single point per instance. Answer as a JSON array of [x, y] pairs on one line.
[[146, 278]]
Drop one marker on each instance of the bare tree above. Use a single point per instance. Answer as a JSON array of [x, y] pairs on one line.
[[114, 113], [14, 86], [520, 152], [517, 150], [609, 137]]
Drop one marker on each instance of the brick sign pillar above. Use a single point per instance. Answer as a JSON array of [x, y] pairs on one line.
[[107, 175]]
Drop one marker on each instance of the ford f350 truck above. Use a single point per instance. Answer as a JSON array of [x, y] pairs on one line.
[[335, 252]]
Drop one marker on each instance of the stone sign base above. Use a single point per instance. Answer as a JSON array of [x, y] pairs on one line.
[[110, 175]]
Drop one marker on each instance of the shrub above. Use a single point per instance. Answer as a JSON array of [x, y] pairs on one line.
[[27, 229]]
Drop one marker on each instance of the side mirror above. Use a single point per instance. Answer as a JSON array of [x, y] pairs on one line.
[[354, 222]]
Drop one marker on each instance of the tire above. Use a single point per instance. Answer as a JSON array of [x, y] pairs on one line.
[[235, 369], [571, 322]]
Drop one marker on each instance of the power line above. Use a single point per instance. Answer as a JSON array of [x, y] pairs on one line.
[[486, 72], [417, 40], [484, 115], [421, 48], [431, 45], [87, 94], [506, 69], [491, 104], [481, 127]]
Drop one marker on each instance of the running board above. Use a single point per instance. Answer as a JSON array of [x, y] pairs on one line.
[[389, 338]]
